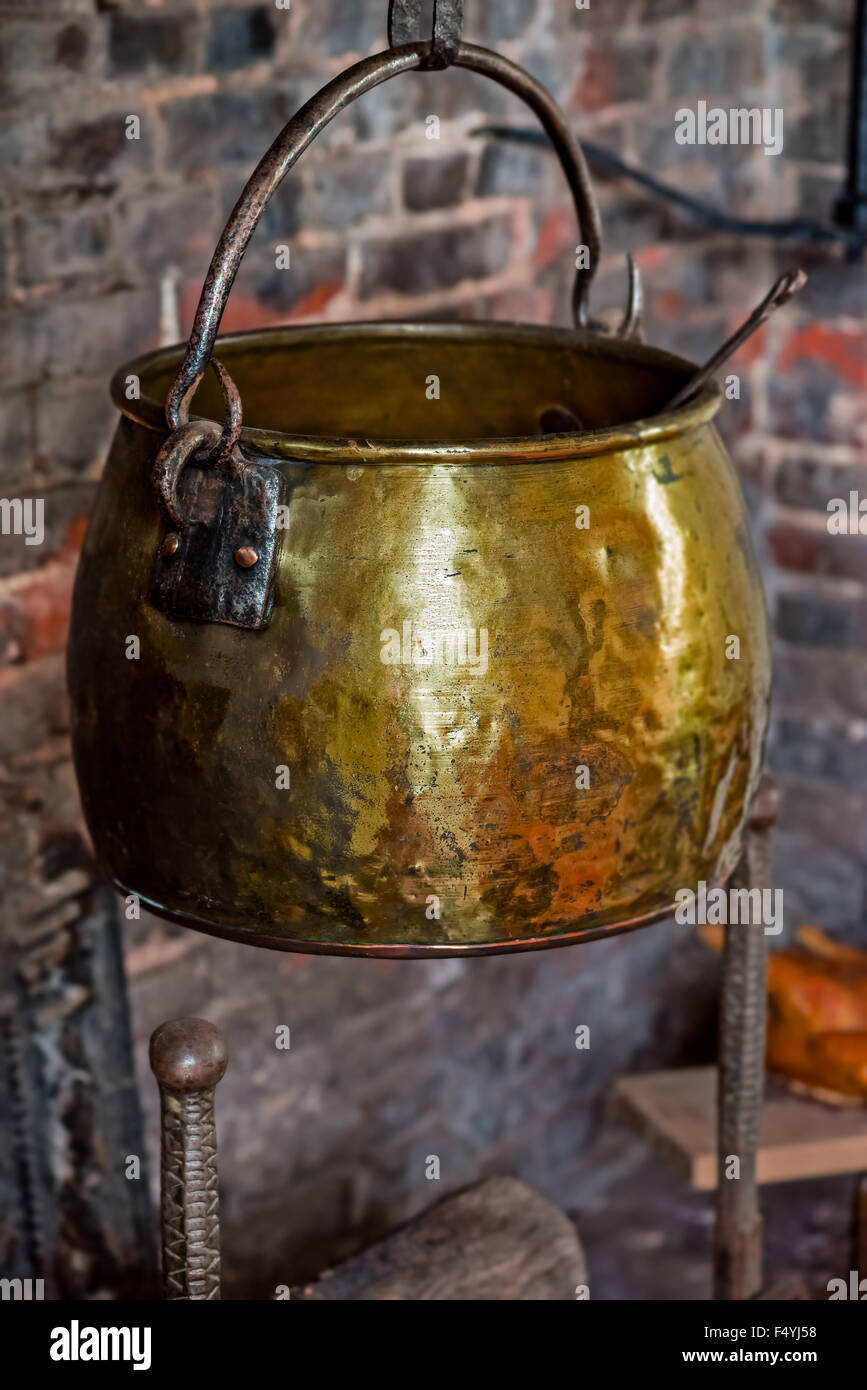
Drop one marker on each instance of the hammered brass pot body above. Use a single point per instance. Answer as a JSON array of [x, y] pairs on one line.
[[513, 691]]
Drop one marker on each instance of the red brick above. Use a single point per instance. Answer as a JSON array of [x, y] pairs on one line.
[[813, 550], [616, 70], [34, 611], [65, 514], [429, 261], [843, 350]]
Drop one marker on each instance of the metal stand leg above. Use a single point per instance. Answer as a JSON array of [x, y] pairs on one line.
[[188, 1058], [738, 1234]]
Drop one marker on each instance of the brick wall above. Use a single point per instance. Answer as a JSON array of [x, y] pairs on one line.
[[103, 243]]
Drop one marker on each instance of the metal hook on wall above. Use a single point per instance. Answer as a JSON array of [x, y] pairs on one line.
[[404, 26]]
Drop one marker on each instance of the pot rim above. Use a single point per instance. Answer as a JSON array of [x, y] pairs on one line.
[[150, 413]]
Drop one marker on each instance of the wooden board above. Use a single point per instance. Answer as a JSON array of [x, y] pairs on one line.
[[497, 1241], [800, 1137]]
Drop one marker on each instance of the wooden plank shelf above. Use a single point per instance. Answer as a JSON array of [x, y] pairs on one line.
[[800, 1137]]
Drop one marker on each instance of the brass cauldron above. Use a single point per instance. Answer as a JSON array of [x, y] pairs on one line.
[[391, 669]]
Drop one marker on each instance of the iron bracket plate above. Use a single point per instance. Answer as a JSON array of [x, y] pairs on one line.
[[227, 510]]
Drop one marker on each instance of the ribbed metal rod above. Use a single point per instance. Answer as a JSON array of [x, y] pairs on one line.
[[188, 1058], [738, 1235]]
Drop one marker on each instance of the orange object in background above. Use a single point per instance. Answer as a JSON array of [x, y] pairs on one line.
[[817, 1016]]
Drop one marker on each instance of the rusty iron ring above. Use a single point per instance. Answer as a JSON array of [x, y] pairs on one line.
[[404, 26], [182, 444], [300, 132], [234, 415]]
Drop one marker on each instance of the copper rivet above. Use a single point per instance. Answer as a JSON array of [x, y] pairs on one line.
[[246, 556], [170, 545]]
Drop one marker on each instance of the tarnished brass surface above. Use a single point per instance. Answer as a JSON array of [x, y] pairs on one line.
[[607, 648]]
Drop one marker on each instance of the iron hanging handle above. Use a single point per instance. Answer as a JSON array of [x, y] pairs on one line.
[[300, 132]]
